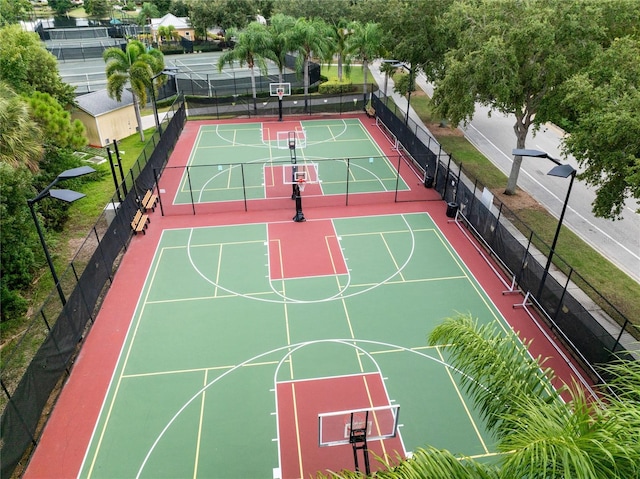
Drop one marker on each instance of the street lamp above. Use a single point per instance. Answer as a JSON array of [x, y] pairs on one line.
[[169, 71], [68, 196], [397, 64], [562, 171]]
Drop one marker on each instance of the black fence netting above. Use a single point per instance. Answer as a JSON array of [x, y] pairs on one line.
[[80, 52], [215, 84], [406, 137], [594, 338], [226, 107], [36, 363]]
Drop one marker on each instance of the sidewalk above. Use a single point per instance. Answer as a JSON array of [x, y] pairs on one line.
[[400, 100]]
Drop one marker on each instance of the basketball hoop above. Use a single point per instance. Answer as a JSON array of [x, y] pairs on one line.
[[301, 183], [280, 93]]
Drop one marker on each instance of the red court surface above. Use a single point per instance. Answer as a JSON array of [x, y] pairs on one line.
[[300, 402], [318, 255], [270, 130], [67, 433]]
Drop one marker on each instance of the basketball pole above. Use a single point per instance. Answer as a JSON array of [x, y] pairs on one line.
[[358, 440], [299, 217], [279, 108], [294, 160]]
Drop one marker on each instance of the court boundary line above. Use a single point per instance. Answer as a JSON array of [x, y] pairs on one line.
[[347, 342], [133, 325], [356, 123]]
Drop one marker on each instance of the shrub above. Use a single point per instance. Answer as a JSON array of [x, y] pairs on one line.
[[336, 88]]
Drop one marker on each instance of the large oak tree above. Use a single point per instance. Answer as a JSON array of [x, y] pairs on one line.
[[604, 100], [513, 57]]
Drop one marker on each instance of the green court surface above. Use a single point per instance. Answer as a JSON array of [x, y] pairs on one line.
[[229, 312], [231, 159]]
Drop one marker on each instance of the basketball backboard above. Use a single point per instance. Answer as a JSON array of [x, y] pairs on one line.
[[283, 88], [334, 428], [293, 173]]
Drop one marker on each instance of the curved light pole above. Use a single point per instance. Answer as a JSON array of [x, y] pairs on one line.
[[563, 171], [68, 196]]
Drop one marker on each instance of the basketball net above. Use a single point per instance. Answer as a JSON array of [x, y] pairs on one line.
[[280, 93], [301, 183]]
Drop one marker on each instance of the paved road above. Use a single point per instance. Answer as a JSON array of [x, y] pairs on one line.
[[618, 241]]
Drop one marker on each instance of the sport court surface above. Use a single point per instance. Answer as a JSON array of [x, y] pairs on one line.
[[226, 336]]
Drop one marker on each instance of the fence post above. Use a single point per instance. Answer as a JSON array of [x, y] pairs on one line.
[[346, 203], [244, 188], [193, 206]]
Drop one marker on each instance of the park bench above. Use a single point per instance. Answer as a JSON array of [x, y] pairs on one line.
[[149, 201], [139, 222]]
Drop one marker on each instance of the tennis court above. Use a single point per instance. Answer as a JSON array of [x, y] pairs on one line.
[[231, 345]]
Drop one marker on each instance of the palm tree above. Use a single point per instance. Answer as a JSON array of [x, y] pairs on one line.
[[279, 29], [308, 37], [538, 434], [20, 136], [146, 13], [251, 47], [366, 44], [168, 33], [135, 67], [388, 69], [341, 47]]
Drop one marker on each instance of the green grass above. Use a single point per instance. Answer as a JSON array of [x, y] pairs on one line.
[[614, 285], [356, 76], [83, 214]]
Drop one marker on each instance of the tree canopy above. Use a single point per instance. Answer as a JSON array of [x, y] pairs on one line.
[[26, 66], [12, 11], [251, 49], [513, 57], [604, 100], [98, 8], [20, 136], [55, 122], [134, 67]]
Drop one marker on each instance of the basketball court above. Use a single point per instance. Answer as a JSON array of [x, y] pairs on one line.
[[231, 161], [257, 345]]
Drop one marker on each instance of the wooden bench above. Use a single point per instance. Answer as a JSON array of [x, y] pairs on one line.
[[140, 222], [149, 201]]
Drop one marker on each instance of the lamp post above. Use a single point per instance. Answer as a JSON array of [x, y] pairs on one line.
[[68, 196], [562, 171], [398, 64], [170, 71]]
